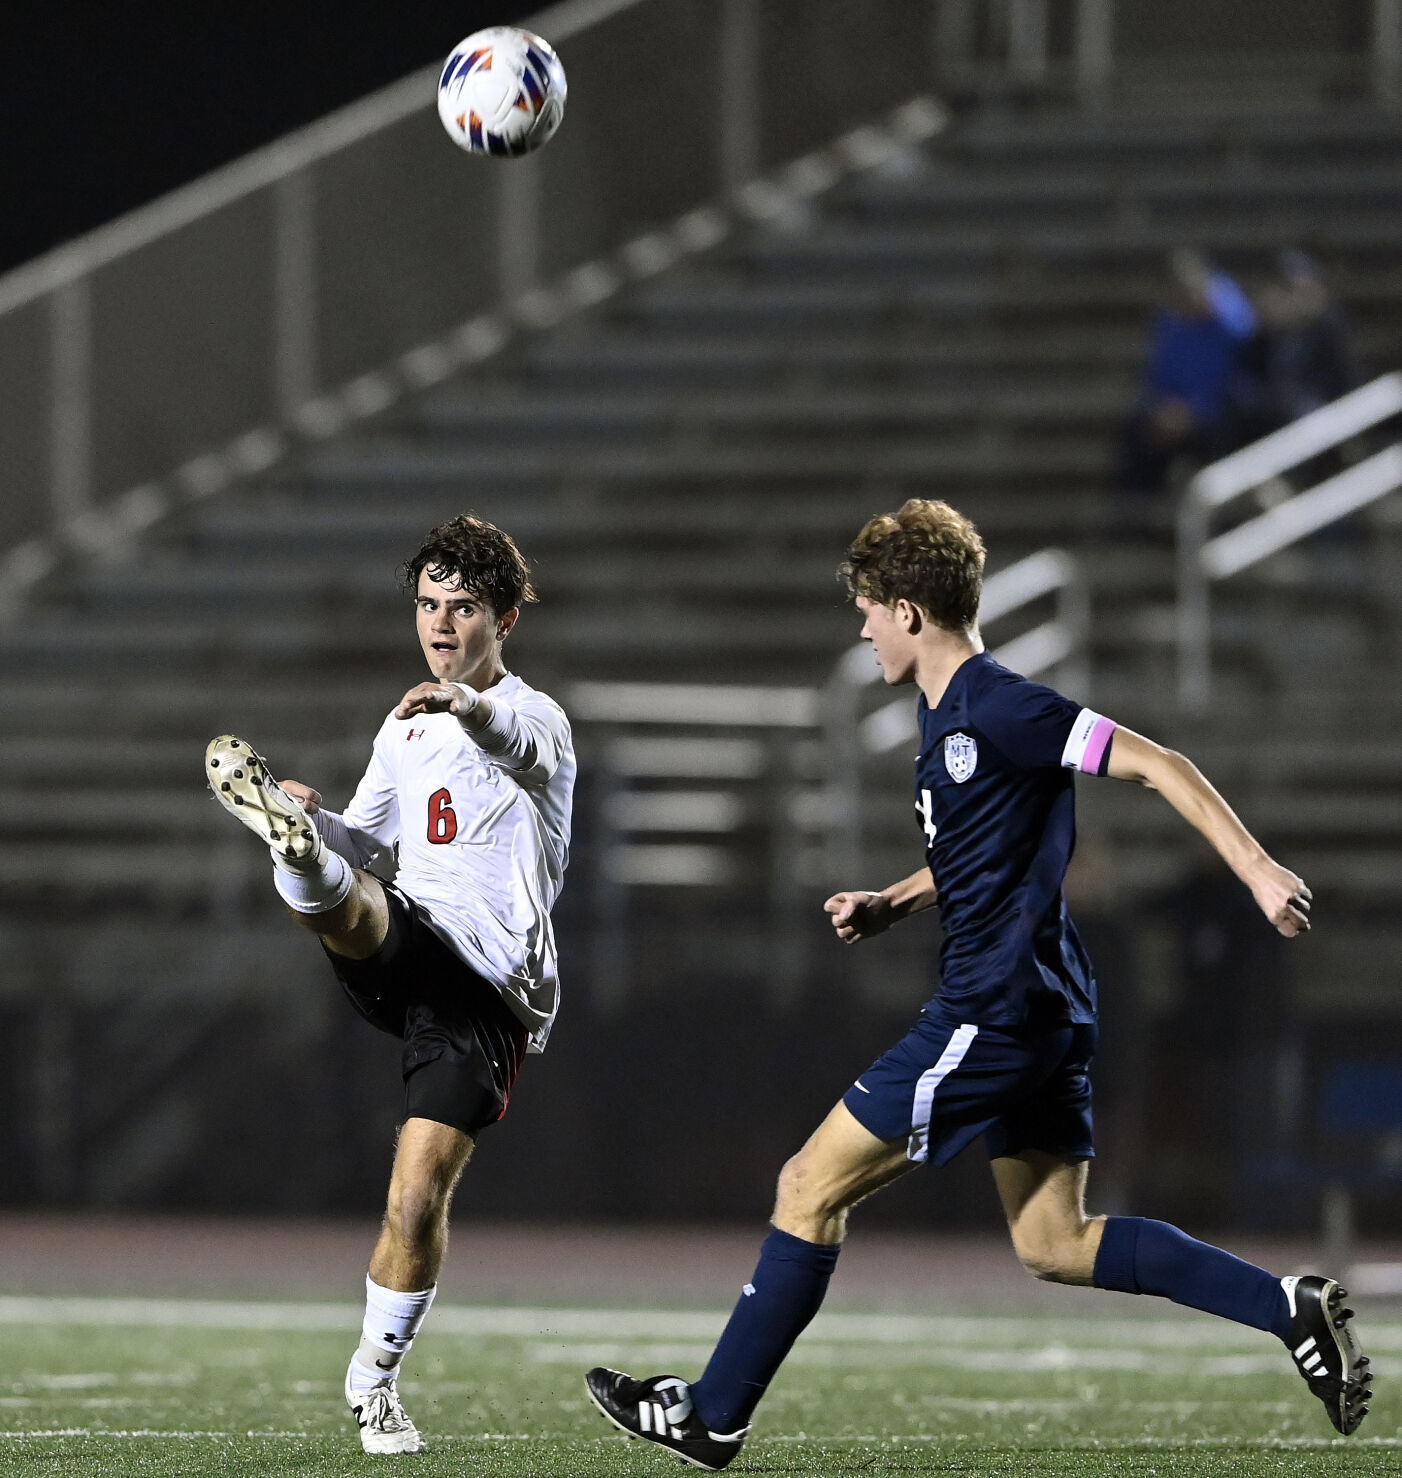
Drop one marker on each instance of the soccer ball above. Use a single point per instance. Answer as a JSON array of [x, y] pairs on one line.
[[502, 91]]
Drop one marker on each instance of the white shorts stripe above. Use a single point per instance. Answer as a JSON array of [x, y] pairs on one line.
[[930, 1079]]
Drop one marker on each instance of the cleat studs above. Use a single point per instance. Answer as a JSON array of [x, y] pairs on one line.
[[238, 800], [254, 780], [272, 836], [233, 743], [214, 764], [224, 786]]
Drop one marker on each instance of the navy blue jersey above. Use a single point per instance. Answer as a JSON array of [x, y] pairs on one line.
[[994, 788]]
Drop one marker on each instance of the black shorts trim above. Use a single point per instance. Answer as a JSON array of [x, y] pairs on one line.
[[463, 1046]]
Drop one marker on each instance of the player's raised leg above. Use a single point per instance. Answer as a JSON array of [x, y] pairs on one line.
[[1043, 1197], [403, 1278], [344, 906], [706, 1422], [434, 959]]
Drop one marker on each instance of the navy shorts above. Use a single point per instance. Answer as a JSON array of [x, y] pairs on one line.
[[463, 1046], [946, 1082]]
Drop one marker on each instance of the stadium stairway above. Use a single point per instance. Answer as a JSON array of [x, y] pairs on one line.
[[685, 464]]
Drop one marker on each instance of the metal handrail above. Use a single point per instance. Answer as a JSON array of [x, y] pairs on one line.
[[197, 341], [849, 737], [1203, 557], [263, 167], [1078, 42], [60, 286], [1058, 643]]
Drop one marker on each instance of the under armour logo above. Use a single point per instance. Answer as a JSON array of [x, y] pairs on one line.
[[414, 734]]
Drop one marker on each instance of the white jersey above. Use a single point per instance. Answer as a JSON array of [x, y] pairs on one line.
[[482, 825]]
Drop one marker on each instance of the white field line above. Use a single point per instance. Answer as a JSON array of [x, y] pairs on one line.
[[813, 1352], [914, 1439], [1186, 1332]]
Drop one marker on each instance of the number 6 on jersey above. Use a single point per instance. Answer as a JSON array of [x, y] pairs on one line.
[[442, 821]]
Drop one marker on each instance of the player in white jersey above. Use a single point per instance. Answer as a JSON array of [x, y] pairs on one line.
[[470, 779]]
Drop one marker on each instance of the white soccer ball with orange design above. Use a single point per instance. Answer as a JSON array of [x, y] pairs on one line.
[[502, 91]]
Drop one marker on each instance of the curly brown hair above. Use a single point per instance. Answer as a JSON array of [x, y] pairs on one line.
[[473, 555], [926, 553]]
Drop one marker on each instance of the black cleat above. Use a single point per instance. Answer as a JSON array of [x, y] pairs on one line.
[[1326, 1351], [659, 1410]]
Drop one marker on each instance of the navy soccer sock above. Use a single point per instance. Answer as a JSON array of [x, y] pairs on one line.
[[1141, 1256], [776, 1307]]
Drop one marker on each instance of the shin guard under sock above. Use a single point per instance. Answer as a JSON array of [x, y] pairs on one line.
[[776, 1306], [1141, 1256]]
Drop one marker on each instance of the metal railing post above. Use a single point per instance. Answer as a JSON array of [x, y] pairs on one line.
[[1095, 51], [294, 331], [518, 227], [952, 29], [738, 123], [609, 963], [70, 410], [787, 953], [1027, 40], [1194, 604], [1387, 53], [841, 714], [1073, 612], [53, 1094]]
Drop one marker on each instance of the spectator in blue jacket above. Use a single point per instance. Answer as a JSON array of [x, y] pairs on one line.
[[1307, 359], [1195, 377]]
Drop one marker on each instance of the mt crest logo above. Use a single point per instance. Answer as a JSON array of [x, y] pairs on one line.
[[960, 757]]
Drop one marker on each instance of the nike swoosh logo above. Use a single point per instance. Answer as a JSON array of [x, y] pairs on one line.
[[861, 1085]]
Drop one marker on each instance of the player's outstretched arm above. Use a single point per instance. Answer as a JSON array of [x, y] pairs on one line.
[[476, 712], [858, 915], [1279, 893], [528, 742], [445, 698]]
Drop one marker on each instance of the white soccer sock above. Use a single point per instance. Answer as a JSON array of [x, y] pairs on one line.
[[317, 888], [392, 1320]]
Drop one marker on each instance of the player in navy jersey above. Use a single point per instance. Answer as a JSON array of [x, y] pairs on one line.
[[1003, 1048]]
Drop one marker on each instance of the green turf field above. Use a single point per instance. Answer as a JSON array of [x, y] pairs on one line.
[[254, 1389]]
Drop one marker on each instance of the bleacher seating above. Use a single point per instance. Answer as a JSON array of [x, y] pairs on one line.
[[685, 465]]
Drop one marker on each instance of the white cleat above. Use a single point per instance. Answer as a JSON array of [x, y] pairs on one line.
[[241, 784], [385, 1428]]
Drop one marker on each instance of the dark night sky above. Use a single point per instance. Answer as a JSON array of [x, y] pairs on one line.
[[106, 106]]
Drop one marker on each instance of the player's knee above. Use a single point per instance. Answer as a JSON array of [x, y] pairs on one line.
[[1049, 1257], [415, 1206], [800, 1193]]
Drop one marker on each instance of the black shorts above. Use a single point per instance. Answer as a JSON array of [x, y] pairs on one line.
[[463, 1046]]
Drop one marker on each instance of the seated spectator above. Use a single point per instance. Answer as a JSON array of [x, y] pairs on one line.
[[1195, 377], [1304, 354]]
